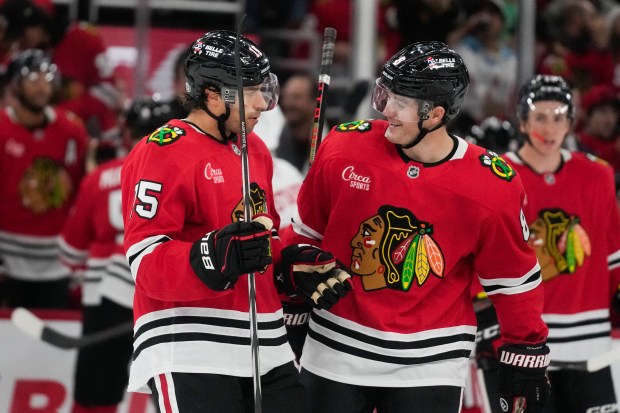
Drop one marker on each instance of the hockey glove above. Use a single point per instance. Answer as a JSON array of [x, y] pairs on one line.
[[615, 301], [222, 256], [523, 385], [487, 336], [313, 273]]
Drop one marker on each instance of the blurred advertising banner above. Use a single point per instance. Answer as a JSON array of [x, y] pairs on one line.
[[36, 377]]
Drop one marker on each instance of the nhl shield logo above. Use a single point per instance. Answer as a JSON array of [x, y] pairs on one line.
[[413, 172], [235, 149]]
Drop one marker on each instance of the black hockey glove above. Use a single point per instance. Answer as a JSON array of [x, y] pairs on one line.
[[523, 385], [222, 256], [313, 273], [615, 300], [487, 335]]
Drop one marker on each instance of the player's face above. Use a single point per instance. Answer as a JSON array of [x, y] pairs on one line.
[[547, 125], [35, 90], [255, 104], [365, 244]]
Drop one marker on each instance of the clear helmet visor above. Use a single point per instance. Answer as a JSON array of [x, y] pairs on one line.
[[266, 94], [398, 107]]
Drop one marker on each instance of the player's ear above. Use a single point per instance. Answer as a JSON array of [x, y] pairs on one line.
[[437, 114]]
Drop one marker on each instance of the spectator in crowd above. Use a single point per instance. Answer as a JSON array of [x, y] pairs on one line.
[[27, 27], [580, 44], [599, 133], [92, 240], [427, 19], [42, 164], [491, 61], [298, 104]]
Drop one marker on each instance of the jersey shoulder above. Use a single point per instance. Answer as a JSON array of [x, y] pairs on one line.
[[356, 136]]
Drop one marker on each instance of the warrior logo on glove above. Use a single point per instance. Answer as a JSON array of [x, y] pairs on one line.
[[393, 249], [45, 185]]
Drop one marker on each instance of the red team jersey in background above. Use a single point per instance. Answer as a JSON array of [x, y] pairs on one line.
[[41, 170], [577, 245], [93, 237], [414, 236], [179, 184]]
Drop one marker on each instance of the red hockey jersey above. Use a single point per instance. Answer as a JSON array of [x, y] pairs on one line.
[[178, 184], [575, 231], [414, 236], [41, 170], [92, 238]]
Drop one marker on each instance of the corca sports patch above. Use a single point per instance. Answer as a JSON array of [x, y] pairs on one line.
[[355, 126], [498, 165], [165, 135]]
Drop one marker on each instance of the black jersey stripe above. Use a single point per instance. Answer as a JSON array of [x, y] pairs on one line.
[[533, 278], [205, 320], [157, 241], [368, 355], [214, 338], [577, 323], [34, 254], [392, 344], [578, 338]]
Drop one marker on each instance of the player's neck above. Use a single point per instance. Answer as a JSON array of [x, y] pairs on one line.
[[538, 161], [205, 122], [29, 119], [433, 148]]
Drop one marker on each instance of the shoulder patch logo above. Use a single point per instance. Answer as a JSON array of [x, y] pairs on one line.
[[393, 249], [596, 159], [498, 166], [356, 126], [165, 135]]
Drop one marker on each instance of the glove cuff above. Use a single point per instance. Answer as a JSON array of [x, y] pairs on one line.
[[202, 258]]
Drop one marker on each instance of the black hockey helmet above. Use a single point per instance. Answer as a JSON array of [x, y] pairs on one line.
[[428, 71], [210, 61], [144, 115], [544, 87], [494, 134], [31, 63]]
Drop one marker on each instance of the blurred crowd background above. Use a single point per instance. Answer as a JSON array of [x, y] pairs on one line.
[[107, 57]]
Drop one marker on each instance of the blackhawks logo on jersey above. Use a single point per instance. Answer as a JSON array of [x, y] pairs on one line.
[[258, 203], [165, 135], [394, 249], [560, 242], [498, 165], [355, 126]]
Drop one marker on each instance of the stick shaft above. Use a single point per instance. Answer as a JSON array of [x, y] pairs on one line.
[[245, 173], [327, 56]]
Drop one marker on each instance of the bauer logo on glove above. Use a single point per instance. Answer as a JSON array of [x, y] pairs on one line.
[[313, 273]]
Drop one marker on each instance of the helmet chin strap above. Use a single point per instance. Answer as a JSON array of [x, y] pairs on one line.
[[423, 133], [221, 123]]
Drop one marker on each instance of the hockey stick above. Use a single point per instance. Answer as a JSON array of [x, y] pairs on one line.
[[595, 363], [327, 55], [245, 173], [32, 325]]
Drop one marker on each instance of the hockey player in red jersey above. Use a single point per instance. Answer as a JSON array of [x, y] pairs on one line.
[[92, 239], [417, 214], [190, 249], [576, 239], [42, 163]]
